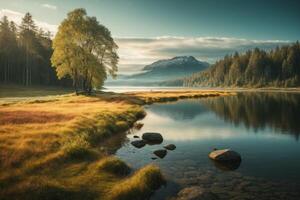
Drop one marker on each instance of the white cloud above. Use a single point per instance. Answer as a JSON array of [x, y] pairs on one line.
[[142, 51], [137, 52], [52, 7], [17, 18]]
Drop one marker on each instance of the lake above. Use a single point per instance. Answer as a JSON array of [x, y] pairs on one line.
[[263, 127]]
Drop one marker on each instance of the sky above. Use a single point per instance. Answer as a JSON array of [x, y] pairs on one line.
[[148, 30]]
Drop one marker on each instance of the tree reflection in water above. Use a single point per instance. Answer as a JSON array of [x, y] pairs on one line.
[[259, 110]]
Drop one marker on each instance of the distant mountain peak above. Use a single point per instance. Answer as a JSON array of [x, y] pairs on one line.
[[165, 70], [183, 62]]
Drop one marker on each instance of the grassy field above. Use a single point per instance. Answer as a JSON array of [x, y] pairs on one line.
[[52, 145]]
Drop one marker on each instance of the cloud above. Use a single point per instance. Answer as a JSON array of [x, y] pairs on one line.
[[17, 18], [143, 51], [49, 6], [137, 52]]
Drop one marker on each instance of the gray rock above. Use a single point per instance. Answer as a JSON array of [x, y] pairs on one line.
[[160, 153], [170, 147], [152, 138], [196, 193], [138, 143], [225, 155]]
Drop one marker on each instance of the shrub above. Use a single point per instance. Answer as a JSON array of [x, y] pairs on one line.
[[122, 126], [114, 165], [140, 186], [77, 148]]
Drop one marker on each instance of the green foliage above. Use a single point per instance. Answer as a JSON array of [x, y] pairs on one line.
[[25, 54], [84, 50], [257, 68]]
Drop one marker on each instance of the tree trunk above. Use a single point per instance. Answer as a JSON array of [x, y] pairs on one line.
[[75, 82]]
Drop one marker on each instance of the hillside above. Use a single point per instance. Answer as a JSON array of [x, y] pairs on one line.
[[256, 68], [161, 71], [172, 68]]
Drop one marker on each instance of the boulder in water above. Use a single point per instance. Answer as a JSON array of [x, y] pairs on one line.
[[152, 138], [225, 155], [160, 153], [227, 166], [170, 147], [138, 143]]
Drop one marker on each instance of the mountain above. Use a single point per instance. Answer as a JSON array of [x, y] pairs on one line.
[[279, 67], [161, 71], [168, 69]]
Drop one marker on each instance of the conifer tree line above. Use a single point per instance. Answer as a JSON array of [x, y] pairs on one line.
[[25, 52], [255, 68], [82, 53]]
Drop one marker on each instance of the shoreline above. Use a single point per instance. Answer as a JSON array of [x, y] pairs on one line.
[[70, 127]]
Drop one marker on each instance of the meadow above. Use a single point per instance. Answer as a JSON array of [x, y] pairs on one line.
[[56, 146]]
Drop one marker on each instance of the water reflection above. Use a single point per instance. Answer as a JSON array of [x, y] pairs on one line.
[[262, 127], [227, 166], [257, 111], [180, 110], [279, 111]]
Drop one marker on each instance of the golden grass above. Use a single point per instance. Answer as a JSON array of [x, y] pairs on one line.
[[114, 165], [50, 145], [164, 96], [140, 186]]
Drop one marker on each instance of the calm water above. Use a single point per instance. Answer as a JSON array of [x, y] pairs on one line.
[[263, 127]]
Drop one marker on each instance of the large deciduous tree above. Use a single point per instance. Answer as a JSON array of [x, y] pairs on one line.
[[85, 51]]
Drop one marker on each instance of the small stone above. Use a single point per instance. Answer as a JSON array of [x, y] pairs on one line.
[[138, 143], [195, 193], [170, 147], [135, 136], [225, 155], [160, 153]]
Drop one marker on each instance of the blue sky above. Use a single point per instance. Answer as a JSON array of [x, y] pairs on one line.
[[147, 30]]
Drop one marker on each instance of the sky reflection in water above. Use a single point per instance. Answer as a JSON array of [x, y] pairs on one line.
[[262, 127]]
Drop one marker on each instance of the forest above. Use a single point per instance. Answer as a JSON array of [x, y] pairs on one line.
[[25, 52], [255, 68]]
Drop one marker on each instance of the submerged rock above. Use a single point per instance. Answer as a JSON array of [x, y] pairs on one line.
[[170, 147], [153, 158], [227, 166], [196, 193], [160, 153], [225, 155], [152, 138], [138, 143]]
